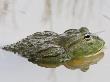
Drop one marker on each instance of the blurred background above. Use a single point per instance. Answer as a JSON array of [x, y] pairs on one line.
[[20, 18]]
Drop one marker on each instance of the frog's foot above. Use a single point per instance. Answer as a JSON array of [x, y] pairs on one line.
[[84, 69]]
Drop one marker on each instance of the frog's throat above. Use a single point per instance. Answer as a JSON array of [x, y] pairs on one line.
[[101, 50]]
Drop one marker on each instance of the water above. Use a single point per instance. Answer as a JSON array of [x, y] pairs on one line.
[[57, 16]]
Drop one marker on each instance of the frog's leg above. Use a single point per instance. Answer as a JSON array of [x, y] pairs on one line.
[[85, 68], [52, 75]]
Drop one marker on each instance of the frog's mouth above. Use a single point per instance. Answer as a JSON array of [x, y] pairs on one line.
[[99, 51]]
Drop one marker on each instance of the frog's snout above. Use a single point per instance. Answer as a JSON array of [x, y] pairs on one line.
[[102, 42]]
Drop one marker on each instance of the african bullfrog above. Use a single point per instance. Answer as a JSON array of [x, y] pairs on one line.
[[75, 48]]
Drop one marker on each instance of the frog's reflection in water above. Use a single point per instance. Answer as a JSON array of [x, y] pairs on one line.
[[78, 63], [84, 63]]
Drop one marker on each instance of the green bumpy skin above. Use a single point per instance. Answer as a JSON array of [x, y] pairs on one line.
[[49, 49]]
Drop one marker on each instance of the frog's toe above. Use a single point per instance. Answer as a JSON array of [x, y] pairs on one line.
[[84, 69]]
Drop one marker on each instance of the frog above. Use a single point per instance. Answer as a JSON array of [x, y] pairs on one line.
[[74, 49]]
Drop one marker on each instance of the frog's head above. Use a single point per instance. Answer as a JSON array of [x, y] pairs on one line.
[[83, 43]]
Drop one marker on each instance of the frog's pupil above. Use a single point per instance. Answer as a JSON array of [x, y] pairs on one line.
[[87, 36]]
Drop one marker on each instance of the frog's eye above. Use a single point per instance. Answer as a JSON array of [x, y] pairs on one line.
[[87, 37]]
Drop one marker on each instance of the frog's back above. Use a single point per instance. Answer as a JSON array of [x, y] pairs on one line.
[[42, 48]]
